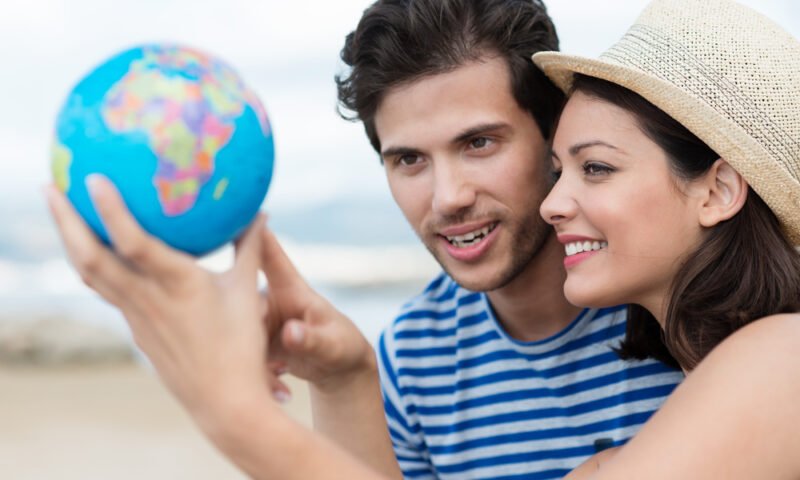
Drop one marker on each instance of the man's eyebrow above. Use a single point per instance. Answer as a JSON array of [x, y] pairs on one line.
[[461, 137], [393, 151], [477, 130]]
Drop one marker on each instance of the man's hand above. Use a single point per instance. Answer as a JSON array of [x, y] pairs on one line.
[[312, 339], [201, 330], [316, 342]]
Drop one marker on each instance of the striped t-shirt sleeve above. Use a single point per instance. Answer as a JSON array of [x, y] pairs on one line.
[[408, 443]]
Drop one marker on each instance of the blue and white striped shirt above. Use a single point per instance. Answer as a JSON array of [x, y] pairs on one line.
[[465, 400]]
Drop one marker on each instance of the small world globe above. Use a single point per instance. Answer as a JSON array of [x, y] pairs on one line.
[[186, 142]]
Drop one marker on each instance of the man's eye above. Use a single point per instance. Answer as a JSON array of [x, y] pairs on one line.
[[408, 160], [479, 143], [596, 169]]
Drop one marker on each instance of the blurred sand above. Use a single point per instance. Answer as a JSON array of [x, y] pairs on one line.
[[105, 422]]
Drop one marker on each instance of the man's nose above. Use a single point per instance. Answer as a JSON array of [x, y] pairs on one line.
[[453, 188]]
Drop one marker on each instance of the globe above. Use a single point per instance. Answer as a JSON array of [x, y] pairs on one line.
[[185, 141]]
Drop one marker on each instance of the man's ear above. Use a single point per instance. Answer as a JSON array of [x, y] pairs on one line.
[[724, 193]]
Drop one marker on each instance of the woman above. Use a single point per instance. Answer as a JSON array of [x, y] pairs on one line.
[[691, 214]]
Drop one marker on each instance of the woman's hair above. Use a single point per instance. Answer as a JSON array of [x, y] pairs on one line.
[[744, 269]]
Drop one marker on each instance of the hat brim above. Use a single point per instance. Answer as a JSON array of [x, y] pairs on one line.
[[560, 68]]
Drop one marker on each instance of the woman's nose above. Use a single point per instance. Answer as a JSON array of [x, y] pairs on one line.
[[558, 206]]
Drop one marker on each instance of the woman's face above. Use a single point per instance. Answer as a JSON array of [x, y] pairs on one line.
[[625, 220]]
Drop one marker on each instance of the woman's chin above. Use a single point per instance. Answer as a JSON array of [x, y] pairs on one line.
[[583, 296]]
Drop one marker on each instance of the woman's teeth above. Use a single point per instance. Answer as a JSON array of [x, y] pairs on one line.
[[471, 238], [586, 246]]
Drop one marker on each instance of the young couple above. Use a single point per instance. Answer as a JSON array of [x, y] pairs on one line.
[[676, 162]]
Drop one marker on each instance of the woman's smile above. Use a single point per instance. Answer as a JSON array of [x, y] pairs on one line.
[[578, 248]]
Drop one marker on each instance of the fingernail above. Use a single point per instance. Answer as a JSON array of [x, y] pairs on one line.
[[93, 181], [296, 332], [282, 396]]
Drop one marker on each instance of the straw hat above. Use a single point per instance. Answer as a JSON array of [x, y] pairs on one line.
[[728, 74]]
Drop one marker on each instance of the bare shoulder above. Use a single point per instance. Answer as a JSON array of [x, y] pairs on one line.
[[768, 337], [788, 323], [760, 359], [741, 399]]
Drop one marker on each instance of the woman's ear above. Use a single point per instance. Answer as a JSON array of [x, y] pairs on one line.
[[725, 192]]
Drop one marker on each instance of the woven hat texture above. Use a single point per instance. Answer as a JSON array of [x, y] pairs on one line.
[[727, 73]]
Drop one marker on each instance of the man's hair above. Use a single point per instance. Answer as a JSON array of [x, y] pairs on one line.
[[743, 270], [400, 41]]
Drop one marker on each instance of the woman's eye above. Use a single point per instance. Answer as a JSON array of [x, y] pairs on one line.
[[555, 174], [596, 169]]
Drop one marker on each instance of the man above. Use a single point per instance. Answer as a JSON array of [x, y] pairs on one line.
[[489, 372], [513, 382]]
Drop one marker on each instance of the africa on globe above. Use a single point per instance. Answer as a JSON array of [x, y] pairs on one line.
[[185, 141]]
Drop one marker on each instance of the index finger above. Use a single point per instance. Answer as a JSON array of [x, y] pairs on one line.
[[248, 251], [280, 271]]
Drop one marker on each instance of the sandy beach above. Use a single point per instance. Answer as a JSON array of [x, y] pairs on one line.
[[105, 422]]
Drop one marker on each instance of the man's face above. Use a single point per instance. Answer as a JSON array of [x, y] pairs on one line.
[[466, 164]]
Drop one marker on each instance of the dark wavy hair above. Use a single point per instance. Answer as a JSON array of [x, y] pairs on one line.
[[399, 41], [745, 268]]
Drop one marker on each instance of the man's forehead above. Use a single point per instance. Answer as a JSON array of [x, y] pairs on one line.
[[485, 68], [447, 104]]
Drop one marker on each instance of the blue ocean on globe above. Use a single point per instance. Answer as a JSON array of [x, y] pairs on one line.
[[186, 143]]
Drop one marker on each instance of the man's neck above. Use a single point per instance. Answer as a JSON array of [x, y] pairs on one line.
[[532, 307]]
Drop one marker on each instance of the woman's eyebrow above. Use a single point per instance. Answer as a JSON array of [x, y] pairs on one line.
[[573, 150]]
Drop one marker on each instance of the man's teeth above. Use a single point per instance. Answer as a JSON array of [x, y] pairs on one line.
[[586, 246], [470, 238]]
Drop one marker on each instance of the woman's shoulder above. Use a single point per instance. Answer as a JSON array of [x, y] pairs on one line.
[[764, 351], [741, 399], [772, 335]]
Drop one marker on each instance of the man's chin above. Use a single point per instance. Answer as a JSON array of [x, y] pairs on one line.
[[482, 276], [476, 279]]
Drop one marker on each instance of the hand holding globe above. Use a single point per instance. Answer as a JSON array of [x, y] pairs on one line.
[[184, 140], [190, 152]]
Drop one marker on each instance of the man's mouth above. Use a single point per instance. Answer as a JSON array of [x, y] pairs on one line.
[[472, 238], [573, 248]]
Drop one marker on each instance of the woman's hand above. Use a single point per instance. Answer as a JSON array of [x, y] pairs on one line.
[[201, 330]]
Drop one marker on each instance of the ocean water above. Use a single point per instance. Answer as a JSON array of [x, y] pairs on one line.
[[360, 254]]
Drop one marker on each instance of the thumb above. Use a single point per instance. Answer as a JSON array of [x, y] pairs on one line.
[[300, 337]]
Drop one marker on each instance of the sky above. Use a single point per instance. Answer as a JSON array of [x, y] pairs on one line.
[[286, 51]]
